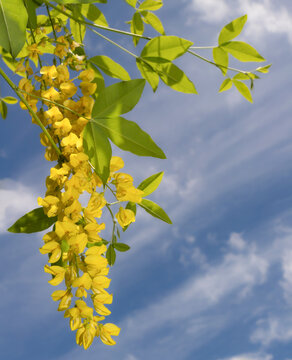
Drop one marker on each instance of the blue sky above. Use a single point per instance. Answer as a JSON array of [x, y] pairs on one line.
[[217, 284]]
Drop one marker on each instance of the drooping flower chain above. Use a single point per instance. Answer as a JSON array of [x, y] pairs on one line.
[[76, 250]]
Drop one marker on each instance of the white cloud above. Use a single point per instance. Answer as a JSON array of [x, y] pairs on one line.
[[16, 200], [236, 241], [250, 356], [287, 276], [273, 328], [210, 10], [264, 16]]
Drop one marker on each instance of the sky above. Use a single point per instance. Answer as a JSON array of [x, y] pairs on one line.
[[215, 285]]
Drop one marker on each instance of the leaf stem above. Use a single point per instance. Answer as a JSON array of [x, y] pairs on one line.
[[213, 63], [114, 43], [33, 114], [118, 31]]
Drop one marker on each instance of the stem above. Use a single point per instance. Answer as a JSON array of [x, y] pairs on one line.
[[96, 25], [114, 43], [51, 21], [202, 47], [114, 222], [110, 189], [213, 63], [33, 114]]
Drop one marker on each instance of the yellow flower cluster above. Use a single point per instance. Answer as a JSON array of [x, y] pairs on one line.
[[75, 248]]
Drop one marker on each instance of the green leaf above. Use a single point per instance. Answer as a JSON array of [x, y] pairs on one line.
[[98, 80], [242, 51], [174, 77], [118, 98], [10, 100], [128, 136], [78, 31], [77, 1], [151, 5], [3, 109], [226, 85], [155, 210], [148, 73], [31, 11], [34, 221], [131, 3], [110, 67], [264, 69], [241, 76], [130, 206], [150, 184], [232, 30], [165, 47], [98, 149], [121, 247], [154, 21], [137, 27], [13, 20], [111, 255], [221, 58], [243, 89], [93, 13]]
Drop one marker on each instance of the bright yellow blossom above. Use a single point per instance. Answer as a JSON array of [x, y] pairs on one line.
[[125, 217]]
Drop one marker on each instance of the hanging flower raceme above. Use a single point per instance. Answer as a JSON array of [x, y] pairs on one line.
[[75, 246]]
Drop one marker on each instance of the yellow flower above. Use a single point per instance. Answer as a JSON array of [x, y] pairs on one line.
[[60, 175], [126, 192], [116, 163], [65, 229], [50, 204], [54, 248], [75, 318], [78, 243], [69, 143], [87, 75], [125, 217], [76, 160], [63, 73], [49, 73], [57, 271], [51, 94], [68, 89], [95, 204], [65, 296], [85, 334], [92, 229], [87, 88], [106, 332], [83, 282], [62, 128], [99, 300], [54, 114]]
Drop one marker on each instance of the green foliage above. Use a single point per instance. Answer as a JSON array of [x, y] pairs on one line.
[[10, 100], [226, 85], [3, 109], [220, 57], [151, 5], [118, 98], [150, 184], [110, 67], [155, 210], [13, 21], [137, 27], [232, 30], [148, 73], [165, 48], [242, 51], [128, 136], [121, 247], [154, 21], [34, 221], [92, 12], [111, 255], [98, 149], [243, 89]]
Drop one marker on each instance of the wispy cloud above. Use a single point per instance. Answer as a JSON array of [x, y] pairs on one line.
[[250, 356], [16, 200], [264, 16]]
